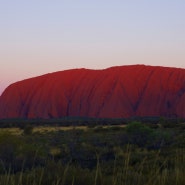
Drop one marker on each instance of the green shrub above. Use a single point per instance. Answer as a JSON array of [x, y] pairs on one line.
[[28, 130]]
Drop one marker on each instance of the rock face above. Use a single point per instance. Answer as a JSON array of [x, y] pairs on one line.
[[122, 91]]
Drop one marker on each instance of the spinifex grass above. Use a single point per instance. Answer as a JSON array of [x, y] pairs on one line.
[[55, 173], [96, 156]]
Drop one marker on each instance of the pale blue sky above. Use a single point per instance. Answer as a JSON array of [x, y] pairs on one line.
[[41, 36]]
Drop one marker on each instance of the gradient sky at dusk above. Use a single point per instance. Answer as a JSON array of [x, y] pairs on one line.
[[42, 36]]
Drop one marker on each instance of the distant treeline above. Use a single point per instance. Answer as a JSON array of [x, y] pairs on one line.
[[85, 121]]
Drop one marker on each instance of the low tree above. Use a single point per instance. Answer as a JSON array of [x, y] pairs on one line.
[[139, 134], [28, 130]]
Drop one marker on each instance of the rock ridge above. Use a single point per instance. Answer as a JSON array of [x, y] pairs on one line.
[[120, 91]]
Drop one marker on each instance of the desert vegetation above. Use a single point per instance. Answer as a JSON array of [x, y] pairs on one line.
[[140, 152]]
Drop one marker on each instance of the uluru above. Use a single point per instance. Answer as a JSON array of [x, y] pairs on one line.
[[116, 92]]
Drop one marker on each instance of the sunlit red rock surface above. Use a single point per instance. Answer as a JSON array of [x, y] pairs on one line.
[[123, 91]]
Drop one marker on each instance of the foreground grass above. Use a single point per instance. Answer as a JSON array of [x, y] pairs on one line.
[[131, 155], [56, 173]]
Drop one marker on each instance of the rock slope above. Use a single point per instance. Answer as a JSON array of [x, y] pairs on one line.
[[123, 91]]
